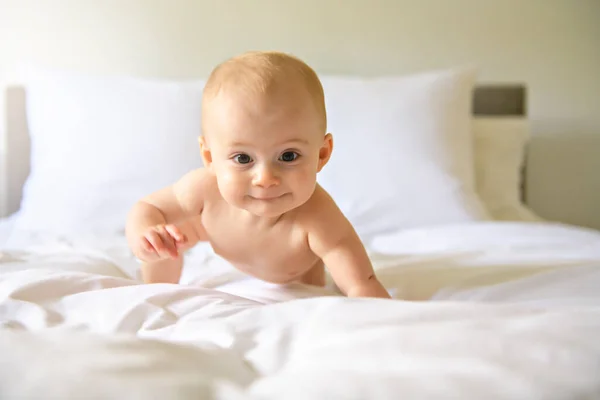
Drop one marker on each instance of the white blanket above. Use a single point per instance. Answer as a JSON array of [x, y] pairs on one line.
[[485, 311]]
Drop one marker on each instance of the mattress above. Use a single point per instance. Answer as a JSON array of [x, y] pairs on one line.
[[488, 310]]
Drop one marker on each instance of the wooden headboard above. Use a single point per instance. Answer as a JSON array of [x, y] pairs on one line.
[[499, 100], [502, 101], [488, 101]]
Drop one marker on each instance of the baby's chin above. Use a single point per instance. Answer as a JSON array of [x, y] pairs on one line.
[[271, 208], [268, 209]]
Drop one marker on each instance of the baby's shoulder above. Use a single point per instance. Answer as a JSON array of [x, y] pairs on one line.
[[323, 222], [195, 187], [198, 181], [320, 210]]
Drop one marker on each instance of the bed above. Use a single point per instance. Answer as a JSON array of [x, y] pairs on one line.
[[489, 300]]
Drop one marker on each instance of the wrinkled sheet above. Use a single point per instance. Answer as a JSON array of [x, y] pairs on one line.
[[490, 310]]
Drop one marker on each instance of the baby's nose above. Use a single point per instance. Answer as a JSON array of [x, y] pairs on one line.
[[265, 177]]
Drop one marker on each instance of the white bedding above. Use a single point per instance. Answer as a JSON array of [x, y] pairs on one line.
[[486, 310]]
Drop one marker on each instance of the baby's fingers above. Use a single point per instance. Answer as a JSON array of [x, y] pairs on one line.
[[155, 242], [147, 246], [175, 233], [169, 244], [162, 243], [148, 252]]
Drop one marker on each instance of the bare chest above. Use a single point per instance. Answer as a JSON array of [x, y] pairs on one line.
[[277, 254]]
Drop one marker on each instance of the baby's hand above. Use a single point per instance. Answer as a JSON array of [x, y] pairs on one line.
[[160, 242]]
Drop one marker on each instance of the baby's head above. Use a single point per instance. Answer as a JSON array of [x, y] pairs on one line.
[[264, 131]]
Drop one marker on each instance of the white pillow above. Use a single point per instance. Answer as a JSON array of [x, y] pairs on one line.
[[499, 155], [100, 143], [403, 150]]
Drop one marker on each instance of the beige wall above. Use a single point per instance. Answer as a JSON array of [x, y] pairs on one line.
[[551, 45]]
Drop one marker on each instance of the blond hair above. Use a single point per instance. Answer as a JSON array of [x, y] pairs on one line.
[[261, 74]]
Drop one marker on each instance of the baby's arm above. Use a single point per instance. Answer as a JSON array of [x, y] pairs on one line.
[[165, 223], [334, 240]]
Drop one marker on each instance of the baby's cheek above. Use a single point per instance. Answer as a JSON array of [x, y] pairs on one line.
[[306, 179], [230, 184]]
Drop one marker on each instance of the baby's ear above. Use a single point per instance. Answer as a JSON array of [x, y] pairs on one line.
[[205, 152], [325, 151]]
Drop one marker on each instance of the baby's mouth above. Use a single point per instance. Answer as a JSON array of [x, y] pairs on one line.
[[267, 198]]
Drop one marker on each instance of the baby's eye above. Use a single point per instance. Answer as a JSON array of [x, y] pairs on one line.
[[289, 156], [242, 158]]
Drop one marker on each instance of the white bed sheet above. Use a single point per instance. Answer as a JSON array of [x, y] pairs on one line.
[[487, 310], [6, 227]]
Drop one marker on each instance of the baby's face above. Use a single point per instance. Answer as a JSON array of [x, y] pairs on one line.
[[266, 158]]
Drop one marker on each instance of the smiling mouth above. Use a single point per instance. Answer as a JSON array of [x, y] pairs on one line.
[[271, 198]]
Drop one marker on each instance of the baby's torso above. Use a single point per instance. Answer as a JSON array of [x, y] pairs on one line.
[[278, 253]]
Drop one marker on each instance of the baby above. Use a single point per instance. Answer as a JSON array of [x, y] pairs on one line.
[[257, 201]]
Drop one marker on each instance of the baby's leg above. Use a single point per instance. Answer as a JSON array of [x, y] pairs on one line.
[[314, 276]]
